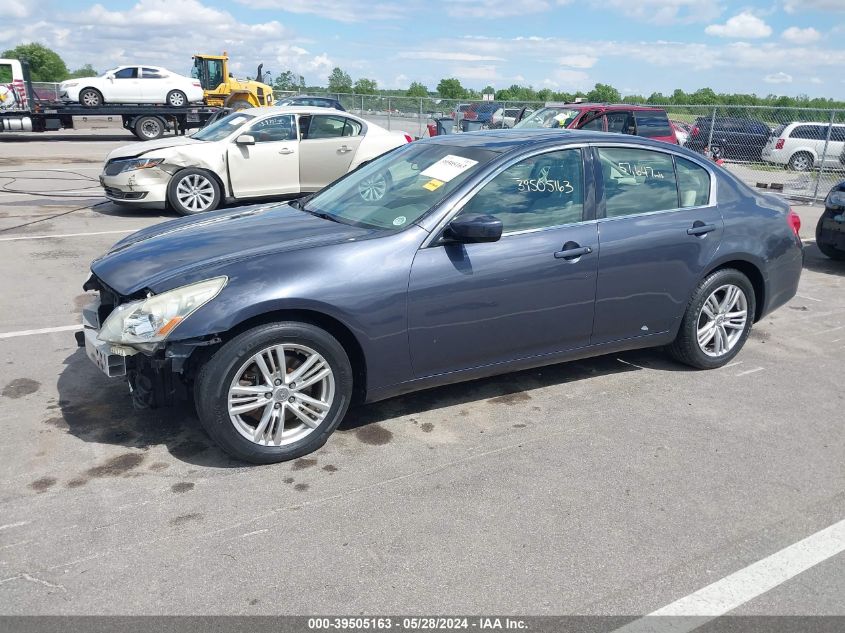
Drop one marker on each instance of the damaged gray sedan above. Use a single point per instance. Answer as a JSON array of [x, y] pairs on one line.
[[252, 154]]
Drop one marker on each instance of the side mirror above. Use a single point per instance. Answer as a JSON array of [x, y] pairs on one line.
[[474, 229], [245, 139], [110, 77]]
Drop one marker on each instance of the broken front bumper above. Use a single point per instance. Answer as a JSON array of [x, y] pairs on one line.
[[100, 352], [143, 187]]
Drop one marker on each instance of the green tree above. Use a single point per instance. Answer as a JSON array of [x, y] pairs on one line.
[[417, 89], [451, 88], [86, 71], [340, 81], [44, 63], [604, 93], [365, 87], [289, 81]]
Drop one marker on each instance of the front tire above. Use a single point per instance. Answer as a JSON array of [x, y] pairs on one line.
[[275, 392], [90, 98], [176, 99], [192, 191], [717, 321]]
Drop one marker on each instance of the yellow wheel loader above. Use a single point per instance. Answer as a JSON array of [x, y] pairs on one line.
[[222, 89]]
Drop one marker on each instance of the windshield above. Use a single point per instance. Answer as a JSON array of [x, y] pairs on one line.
[[108, 72], [399, 188], [219, 130], [549, 118]]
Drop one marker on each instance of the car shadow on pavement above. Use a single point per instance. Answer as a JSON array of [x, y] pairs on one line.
[[508, 388], [816, 261], [99, 410]]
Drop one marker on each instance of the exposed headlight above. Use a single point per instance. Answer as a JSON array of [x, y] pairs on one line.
[[140, 163], [151, 320], [835, 199]]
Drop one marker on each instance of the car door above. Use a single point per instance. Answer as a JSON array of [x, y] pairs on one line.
[[329, 143], [657, 233], [270, 166], [528, 294], [154, 85], [124, 87]]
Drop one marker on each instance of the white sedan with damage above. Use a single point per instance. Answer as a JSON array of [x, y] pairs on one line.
[[279, 151]]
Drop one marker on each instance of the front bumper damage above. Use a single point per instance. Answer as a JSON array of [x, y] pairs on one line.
[[141, 187], [156, 378]]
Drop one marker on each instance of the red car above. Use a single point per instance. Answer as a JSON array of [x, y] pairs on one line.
[[603, 117]]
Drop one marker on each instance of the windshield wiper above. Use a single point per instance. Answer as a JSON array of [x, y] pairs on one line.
[[300, 203]]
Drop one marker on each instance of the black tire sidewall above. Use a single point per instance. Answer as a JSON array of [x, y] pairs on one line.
[[826, 249], [212, 385], [686, 348], [174, 182], [139, 127]]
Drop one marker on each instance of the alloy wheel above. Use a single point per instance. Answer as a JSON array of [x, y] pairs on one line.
[[176, 99], [281, 394], [195, 193], [722, 320]]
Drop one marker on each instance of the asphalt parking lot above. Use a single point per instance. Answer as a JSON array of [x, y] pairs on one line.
[[617, 485]]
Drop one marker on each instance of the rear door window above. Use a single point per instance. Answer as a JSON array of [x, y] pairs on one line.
[[620, 122], [597, 124], [652, 124], [325, 126], [637, 181], [352, 128], [151, 73], [693, 183]]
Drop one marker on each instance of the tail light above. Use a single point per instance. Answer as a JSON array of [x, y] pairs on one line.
[[794, 221], [694, 131], [196, 84], [409, 138], [780, 142]]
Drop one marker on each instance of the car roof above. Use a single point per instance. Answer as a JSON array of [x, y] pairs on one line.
[[311, 97], [603, 106], [298, 109], [519, 138]]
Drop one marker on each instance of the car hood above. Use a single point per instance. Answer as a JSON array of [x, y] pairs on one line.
[[173, 253], [138, 149]]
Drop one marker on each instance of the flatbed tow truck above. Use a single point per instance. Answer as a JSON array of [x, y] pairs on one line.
[[22, 111]]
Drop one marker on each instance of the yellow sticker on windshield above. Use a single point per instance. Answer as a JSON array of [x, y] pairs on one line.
[[433, 184]]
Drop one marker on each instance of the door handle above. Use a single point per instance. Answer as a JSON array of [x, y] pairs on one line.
[[285, 150], [343, 149], [699, 228], [573, 253]]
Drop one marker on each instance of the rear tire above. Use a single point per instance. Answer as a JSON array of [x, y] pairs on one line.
[[232, 368], [193, 191], [238, 104], [802, 161], [149, 128], [176, 99], [90, 98], [705, 309], [827, 249]]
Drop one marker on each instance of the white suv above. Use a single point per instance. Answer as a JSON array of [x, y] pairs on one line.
[[800, 146]]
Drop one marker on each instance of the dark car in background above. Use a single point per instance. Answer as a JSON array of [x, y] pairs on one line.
[[830, 231], [733, 138], [317, 102], [484, 253], [602, 117]]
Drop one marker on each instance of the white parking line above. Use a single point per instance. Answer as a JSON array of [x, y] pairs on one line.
[[750, 371], [742, 586], [809, 298], [48, 237], [46, 330]]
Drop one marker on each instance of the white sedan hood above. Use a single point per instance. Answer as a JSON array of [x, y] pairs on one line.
[[138, 149]]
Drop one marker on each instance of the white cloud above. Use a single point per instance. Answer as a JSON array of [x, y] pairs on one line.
[[664, 11], [796, 6], [475, 73], [449, 57], [816, 80], [796, 35], [778, 78], [493, 9], [572, 79], [338, 10], [14, 9], [578, 61], [744, 25]]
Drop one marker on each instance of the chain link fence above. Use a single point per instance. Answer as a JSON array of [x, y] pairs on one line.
[[795, 152]]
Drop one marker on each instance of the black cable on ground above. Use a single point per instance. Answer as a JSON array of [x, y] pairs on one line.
[[58, 194]]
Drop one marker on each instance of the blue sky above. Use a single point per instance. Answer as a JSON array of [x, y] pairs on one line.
[[640, 46]]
